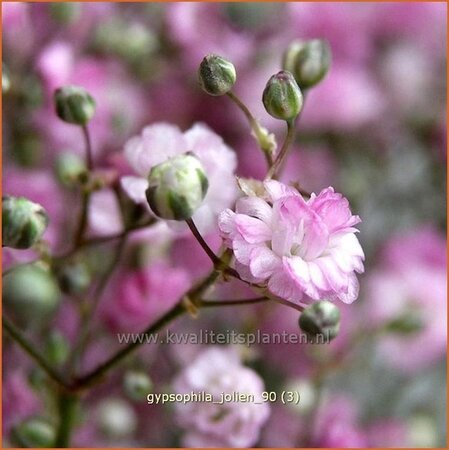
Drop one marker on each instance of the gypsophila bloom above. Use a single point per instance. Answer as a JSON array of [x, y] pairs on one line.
[[231, 424], [302, 250], [161, 141]]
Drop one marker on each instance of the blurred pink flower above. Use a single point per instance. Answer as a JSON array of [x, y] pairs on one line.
[[336, 425], [139, 297], [19, 401], [160, 141], [348, 98], [231, 424], [411, 286], [303, 250]]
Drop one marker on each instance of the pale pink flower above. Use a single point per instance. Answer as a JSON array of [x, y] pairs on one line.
[[161, 141], [411, 285], [302, 250], [231, 424], [139, 297]]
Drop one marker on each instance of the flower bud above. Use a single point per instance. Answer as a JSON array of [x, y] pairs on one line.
[[6, 80], [30, 293], [216, 75], [74, 105], [308, 61], [115, 418], [65, 13], [137, 385], [74, 278], [57, 348], [34, 433], [320, 321], [177, 187], [24, 222], [70, 168], [282, 97]]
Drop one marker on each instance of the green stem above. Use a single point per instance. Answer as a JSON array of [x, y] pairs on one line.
[[255, 126], [16, 334], [67, 408], [88, 145], [247, 301], [272, 173], [99, 372], [216, 261]]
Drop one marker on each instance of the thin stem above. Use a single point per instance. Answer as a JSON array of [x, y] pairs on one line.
[[93, 304], [106, 239], [100, 371], [88, 145], [82, 223], [67, 408], [247, 301], [288, 304], [254, 124], [216, 261], [23, 342], [252, 121], [272, 173]]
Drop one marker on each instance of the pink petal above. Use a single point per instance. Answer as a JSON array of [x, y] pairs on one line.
[[263, 262], [298, 269], [353, 290], [255, 207], [277, 190], [252, 230], [135, 188]]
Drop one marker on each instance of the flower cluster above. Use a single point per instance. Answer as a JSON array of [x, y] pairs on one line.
[[301, 250]]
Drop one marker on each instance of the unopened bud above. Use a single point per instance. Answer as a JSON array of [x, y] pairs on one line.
[[74, 278], [6, 80], [30, 293], [116, 418], [74, 105], [177, 187], [70, 169], [65, 13], [137, 385], [308, 61], [57, 348], [320, 321], [282, 97], [24, 222], [34, 433], [216, 75]]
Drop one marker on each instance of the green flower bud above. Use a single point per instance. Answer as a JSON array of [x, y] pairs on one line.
[[320, 321], [282, 97], [24, 222], [34, 433], [70, 168], [74, 105], [30, 293], [116, 418], [177, 187], [6, 80], [57, 348], [137, 385], [308, 61], [74, 278], [216, 75], [408, 323], [65, 13]]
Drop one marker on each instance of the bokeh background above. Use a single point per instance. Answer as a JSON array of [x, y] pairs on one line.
[[375, 129]]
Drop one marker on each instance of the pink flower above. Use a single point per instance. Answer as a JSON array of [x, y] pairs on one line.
[[410, 288], [161, 141], [141, 296], [231, 424], [303, 250]]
